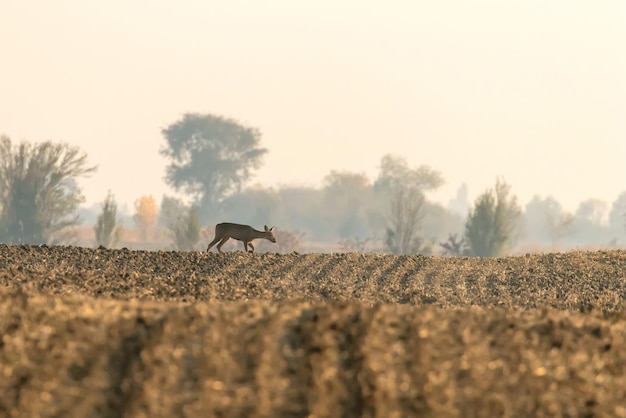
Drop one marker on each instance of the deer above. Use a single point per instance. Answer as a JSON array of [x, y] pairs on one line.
[[245, 233]]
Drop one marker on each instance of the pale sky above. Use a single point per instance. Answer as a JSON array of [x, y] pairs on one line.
[[530, 90]]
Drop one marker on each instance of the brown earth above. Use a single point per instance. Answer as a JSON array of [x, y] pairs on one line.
[[88, 332]]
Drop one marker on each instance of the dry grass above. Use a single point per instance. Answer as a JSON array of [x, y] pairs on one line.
[[128, 333]]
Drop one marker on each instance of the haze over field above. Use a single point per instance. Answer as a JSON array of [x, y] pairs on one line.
[[529, 90]]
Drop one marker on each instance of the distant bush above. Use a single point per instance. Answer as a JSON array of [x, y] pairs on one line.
[[492, 221]]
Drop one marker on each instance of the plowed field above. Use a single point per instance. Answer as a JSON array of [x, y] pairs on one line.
[[88, 332]]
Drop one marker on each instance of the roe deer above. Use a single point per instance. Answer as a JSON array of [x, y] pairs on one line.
[[244, 233]]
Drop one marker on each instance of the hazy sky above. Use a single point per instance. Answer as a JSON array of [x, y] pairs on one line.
[[534, 91]]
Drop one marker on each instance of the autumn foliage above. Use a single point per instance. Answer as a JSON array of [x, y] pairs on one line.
[[145, 217]]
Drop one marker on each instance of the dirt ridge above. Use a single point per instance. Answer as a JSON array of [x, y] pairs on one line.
[[571, 281]]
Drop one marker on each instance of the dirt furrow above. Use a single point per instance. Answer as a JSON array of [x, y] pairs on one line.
[[80, 356]]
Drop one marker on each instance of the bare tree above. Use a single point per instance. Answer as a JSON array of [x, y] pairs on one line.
[[406, 210], [404, 189], [455, 246], [38, 190]]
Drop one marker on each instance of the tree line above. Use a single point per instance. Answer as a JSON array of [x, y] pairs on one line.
[[211, 161]]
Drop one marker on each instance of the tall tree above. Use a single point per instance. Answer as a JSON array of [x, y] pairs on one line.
[[491, 224], [404, 190], [108, 226], [210, 157], [406, 210], [38, 190]]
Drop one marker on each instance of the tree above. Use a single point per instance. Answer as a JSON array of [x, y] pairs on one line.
[[406, 206], [38, 190], [403, 188], [491, 224], [145, 217], [210, 157], [108, 226]]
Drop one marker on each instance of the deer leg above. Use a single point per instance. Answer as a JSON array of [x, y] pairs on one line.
[[212, 243], [245, 246], [222, 242], [251, 246]]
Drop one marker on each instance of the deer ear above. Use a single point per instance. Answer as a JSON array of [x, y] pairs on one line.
[[266, 228], [271, 229]]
